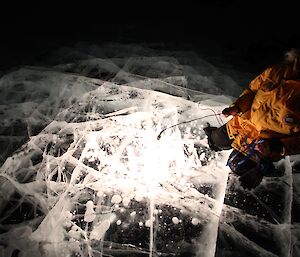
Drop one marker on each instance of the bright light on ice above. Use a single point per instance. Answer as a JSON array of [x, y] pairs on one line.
[[139, 164], [112, 175], [117, 165]]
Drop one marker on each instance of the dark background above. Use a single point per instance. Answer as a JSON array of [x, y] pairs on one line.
[[248, 34]]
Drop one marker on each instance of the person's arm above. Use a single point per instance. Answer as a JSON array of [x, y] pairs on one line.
[[280, 146], [245, 100]]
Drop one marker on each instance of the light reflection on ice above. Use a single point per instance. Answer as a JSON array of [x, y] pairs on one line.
[[113, 175]]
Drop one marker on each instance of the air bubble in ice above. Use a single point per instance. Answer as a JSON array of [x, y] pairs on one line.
[[138, 198], [68, 215], [126, 201], [100, 194], [90, 214], [74, 233], [74, 245], [133, 214], [116, 199], [175, 220], [195, 221], [99, 230], [148, 223]]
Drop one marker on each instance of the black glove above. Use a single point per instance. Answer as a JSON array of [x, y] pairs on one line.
[[251, 178], [233, 110], [208, 130]]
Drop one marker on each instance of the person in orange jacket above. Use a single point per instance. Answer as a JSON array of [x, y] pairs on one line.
[[265, 124]]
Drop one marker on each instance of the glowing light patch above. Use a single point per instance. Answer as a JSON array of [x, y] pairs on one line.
[[117, 178], [135, 161]]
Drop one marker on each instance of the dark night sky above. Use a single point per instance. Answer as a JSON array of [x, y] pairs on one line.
[[254, 25], [212, 18]]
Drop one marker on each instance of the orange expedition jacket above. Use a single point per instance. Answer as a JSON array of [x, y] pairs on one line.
[[269, 108]]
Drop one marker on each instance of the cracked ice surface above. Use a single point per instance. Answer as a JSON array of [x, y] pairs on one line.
[[90, 178], [97, 180]]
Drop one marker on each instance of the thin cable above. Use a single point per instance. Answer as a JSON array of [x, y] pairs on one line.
[[184, 122], [218, 118]]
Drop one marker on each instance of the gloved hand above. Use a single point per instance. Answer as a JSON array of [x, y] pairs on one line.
[[251, 179], [233, 110], [263, 146], [266, 146]]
